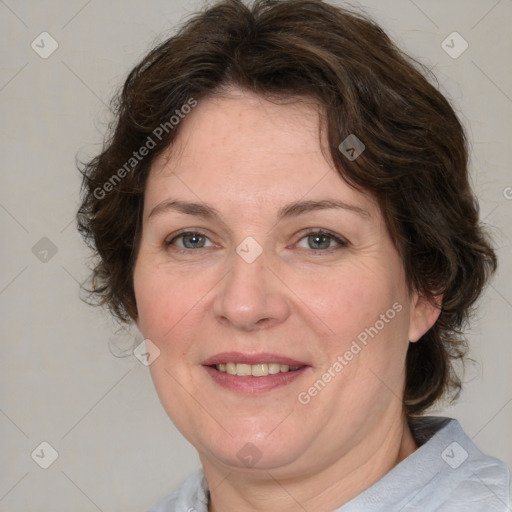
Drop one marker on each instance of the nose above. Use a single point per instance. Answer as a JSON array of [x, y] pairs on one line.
[[251, 297]]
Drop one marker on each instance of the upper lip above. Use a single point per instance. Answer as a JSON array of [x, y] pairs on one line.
[[239, 357]]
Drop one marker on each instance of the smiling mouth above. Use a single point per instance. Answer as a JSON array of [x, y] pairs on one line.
[[254, 370]]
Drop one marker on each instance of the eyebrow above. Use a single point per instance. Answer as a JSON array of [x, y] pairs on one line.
[[290, 210]]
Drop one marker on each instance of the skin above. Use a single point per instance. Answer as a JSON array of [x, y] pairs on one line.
[[248, 157]]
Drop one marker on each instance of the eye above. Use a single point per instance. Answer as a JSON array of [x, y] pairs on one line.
[[321, 240], [189, 240]]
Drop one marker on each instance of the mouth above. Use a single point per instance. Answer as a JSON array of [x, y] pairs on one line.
[[253, 373], [255, 370]]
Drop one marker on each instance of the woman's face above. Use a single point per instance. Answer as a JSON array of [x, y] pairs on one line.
[[254, 251]]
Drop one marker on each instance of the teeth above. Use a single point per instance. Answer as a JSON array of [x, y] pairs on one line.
[[274, 368], [255, 370], [259, 370], [242, 370]]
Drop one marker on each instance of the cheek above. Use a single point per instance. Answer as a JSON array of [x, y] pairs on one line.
[[350, 299], [365, 308], [168, 309], [164, 300]]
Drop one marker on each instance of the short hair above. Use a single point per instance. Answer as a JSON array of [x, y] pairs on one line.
[[415, 162]]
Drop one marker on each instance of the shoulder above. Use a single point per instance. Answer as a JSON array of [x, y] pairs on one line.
[[191, 496], [168, 504], [447, 473], [466, 478]]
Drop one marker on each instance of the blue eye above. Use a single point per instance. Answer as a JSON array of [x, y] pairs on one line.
[[322, 240], [317, 241], [190, 240]]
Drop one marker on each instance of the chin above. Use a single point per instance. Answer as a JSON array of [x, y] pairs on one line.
[[251, 451]]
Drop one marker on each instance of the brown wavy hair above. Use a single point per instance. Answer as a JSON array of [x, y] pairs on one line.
[[414, 164]]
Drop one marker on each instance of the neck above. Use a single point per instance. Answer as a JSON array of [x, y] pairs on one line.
[[325, 490]]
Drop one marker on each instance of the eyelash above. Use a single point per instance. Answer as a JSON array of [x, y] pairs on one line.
[[321, 232]]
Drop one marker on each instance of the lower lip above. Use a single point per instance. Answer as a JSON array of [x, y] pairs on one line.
[[254, 385]]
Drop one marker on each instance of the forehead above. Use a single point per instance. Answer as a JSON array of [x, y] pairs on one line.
[[239, 123], [247, 149]]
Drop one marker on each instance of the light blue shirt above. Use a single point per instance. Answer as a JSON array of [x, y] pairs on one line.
[[447, 473]]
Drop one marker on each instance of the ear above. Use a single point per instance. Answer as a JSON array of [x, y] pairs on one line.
[[424, 315]]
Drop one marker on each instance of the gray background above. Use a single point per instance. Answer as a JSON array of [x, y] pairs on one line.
[[59, 379]]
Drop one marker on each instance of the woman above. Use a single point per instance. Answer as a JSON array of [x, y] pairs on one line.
[[283, 209]]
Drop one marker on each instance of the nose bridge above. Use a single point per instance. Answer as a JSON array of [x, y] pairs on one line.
[[250, 298]]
